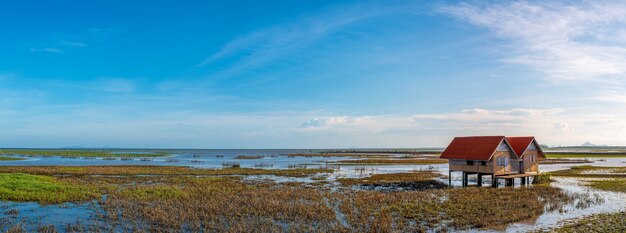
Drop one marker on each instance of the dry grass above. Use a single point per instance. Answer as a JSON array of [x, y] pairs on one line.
[[231, 205]]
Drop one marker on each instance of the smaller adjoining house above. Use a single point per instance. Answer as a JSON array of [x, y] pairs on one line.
[[498, 156], [529, 153]]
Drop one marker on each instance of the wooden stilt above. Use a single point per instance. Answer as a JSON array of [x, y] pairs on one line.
[[450, 178], [509, 182], [523, 181], [479, 180], [464, 179], [494, 181]]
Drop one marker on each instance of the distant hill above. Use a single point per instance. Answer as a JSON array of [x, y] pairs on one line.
[[589, 144]]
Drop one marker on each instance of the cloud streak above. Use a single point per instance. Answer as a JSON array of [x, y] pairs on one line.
[[265, 45], [578, 40]]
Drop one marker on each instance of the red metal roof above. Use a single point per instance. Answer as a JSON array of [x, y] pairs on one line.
[[472, 148], [520, 144]]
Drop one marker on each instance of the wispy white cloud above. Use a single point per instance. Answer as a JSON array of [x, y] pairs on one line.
[[72, 43], [49, 50], [569, 40], [555, 126], [265, 45]]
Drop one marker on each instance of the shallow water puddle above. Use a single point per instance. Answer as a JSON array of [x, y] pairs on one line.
[[612, 202], [30, 213]]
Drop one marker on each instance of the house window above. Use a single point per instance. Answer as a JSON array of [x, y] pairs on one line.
[[483, 163], [532, 158], [502, 161], [470, 162]]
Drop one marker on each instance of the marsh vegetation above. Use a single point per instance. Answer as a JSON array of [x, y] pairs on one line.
[[173, 199], [279, 194]]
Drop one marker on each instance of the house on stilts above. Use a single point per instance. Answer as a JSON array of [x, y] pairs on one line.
[[500, 157]]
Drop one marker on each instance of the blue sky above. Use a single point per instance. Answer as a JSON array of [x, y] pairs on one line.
[[310, 74]]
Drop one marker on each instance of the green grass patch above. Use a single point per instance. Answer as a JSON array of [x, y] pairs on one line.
[[42, 189], [83, 153], [592, 172], [2, 158], [615, 185]]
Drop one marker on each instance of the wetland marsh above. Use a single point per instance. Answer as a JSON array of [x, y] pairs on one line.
[[293, 191]]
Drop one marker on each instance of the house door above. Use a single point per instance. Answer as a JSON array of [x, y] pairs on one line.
[[522, 169]]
